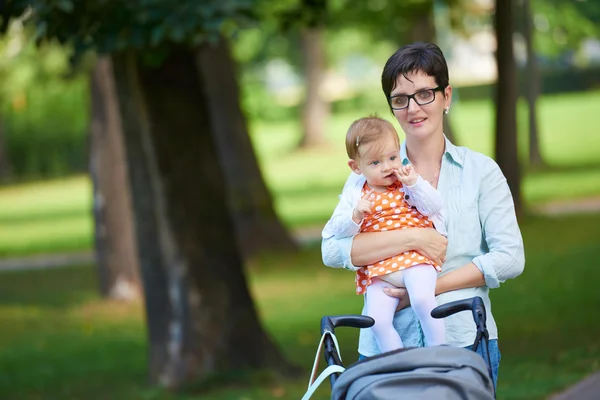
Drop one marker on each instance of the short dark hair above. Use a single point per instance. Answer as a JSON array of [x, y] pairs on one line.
[[424, 57]]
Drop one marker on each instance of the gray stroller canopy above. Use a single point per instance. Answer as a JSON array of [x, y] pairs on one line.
[[448, 373]]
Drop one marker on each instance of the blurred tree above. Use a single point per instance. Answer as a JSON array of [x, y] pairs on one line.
[[309, 19], [506, 153], [532, 88], [565, 25], [115, 246], [4, 163], [257, 226], [200, 314], [316, 109]]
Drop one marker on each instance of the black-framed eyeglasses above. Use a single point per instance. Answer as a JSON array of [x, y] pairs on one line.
[[422, 97]]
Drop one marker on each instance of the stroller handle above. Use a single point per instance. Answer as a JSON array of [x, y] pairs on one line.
[[329, 323], [475, 304]]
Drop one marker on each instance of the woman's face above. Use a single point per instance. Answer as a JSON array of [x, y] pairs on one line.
[[421, 122]]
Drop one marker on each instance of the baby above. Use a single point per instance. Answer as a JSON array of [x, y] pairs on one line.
[[391, 196]]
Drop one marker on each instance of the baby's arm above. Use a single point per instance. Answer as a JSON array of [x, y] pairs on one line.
[[341, 224], [425, 197], [418, 192]]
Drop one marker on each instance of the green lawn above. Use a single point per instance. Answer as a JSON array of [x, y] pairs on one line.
[[55, 216], [59, 341]]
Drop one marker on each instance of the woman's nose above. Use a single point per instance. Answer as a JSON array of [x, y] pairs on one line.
[[412, 106]]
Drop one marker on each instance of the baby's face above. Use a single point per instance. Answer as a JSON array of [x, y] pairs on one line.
[[379, 162]]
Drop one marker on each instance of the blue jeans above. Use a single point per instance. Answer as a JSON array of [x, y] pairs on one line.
[[494, 357]]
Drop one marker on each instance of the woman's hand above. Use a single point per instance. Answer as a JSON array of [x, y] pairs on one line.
[[371, 247], [431, 244], [400, 293]]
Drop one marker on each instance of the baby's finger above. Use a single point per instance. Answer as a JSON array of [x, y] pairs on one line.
[[369, 193]]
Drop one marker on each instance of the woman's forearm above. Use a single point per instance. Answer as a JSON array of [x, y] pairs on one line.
[[466, 276], [371, 247]]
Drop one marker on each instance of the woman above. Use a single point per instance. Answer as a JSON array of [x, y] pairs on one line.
[[484, 246]]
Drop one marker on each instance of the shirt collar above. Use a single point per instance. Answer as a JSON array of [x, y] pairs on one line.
[[451, 151]]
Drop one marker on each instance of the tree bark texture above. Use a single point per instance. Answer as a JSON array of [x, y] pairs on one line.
[[201, 317], [257, 226], [506, 101], [116, 256], [532, 88], [315, 110]]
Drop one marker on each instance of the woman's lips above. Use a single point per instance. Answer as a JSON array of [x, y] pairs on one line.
[[417, 121]]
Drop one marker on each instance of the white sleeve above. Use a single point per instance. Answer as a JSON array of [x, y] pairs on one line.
[[341, 224], [425, 197]]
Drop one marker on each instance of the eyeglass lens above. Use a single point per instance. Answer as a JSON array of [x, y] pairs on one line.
[[421, 98]]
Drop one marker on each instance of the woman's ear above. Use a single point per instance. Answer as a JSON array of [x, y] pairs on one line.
[[447, 96], [354, 166]]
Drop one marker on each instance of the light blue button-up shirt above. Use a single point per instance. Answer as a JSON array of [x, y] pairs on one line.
[[482, 228]]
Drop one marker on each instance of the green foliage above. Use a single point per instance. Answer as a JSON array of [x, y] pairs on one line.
[[48, 137], [152, 25], [43, 108], [561, 25]]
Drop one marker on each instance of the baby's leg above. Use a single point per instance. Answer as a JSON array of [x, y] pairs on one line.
[[420, 284], [381, 308]]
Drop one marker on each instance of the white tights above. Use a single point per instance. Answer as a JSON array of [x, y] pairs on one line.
[[420, 283]]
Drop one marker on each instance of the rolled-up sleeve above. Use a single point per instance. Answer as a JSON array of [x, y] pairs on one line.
[[505, 258], [336, 253]]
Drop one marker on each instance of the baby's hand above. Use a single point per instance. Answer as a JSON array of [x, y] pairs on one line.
[[407, 175], [363, 207]]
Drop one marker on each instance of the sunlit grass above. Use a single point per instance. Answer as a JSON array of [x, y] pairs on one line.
[[72, 195], [60, 341]]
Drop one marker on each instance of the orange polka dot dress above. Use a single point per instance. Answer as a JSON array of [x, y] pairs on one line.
[[391, 212]]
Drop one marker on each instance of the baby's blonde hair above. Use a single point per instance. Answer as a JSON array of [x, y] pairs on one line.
[[368, 130]]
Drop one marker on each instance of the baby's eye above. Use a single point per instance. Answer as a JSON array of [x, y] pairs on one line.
[[375, 162], [393, 158]]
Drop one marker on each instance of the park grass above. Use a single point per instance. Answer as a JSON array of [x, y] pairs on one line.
[[60, 341]]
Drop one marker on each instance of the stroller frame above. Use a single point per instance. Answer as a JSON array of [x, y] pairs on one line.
[[330, 347]]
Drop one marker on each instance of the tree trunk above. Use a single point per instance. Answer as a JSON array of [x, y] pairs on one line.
[[4, 163], [116, 260], [201, 318], [532, 89], [506, 101], [316, 110], [423, 30], [257, 226]]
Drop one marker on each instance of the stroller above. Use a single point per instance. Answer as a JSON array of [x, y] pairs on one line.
[[416, 373]]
